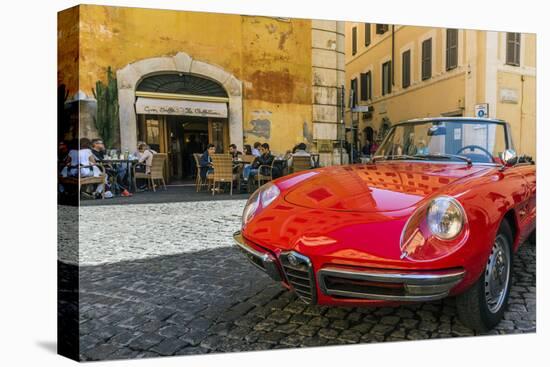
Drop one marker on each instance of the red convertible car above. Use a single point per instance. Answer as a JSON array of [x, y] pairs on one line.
[[438, 211]]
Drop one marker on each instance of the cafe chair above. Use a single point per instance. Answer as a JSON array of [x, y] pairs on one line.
[[223, 172], [300, 163], [265, 173], [156, 171], [83, 181], [199, 181]]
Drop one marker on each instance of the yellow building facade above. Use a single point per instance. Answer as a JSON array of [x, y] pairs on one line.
[[225, 78], [424, 72]]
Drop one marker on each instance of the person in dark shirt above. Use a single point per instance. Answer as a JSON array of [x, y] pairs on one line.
[[116, 173], [262, 162], [234, 152], [205, 162]]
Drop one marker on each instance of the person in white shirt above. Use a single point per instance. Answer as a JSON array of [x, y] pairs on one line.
[[145, 156], [83, 160], [256, 149], [300, 152]]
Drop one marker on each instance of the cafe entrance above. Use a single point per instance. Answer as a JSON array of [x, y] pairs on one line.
[[180, 114], [180, 137]]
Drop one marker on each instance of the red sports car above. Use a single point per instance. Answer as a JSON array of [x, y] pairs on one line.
[[438, 211]]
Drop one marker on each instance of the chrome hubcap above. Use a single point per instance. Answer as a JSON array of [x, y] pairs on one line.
[[497, 274]]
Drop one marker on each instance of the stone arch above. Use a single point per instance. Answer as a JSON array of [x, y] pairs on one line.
[[129, 77]]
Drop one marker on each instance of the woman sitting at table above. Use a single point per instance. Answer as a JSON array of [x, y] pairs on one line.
[[205, 162], [145, 158]]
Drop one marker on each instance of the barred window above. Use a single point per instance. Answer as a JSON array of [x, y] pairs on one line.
[[427, 59], [367, 34], [406, 69], [366, 86], [354, 40], [452, 49], [513, 46], [386, 78]]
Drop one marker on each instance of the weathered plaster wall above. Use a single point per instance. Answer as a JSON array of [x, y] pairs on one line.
[[266, 54]]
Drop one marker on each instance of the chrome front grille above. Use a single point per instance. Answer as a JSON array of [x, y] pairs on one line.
[[299, 274]]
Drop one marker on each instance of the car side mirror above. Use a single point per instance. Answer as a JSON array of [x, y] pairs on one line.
[[509, 157]]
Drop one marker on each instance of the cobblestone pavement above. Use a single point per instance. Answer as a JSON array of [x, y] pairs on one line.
[[212, 300], [127, 232]]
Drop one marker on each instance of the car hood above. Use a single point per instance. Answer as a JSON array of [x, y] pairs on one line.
[[380, 187]]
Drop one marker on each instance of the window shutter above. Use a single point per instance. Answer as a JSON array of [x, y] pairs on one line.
[[363, 87], [353, 99], [386, 78], [406, 69], [513, 48], [367, 34], [427, 59], [452, 49]]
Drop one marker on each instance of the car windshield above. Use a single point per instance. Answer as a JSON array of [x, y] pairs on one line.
[[464, 140]]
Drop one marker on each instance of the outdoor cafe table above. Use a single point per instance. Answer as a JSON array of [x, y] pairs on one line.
[[128, 163]]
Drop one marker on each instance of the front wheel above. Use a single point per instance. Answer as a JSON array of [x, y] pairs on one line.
[[482, 306]]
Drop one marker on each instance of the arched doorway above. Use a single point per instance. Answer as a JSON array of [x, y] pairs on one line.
[[211, 78], [179, 114]]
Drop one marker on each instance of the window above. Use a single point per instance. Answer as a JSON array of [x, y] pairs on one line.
[[386, 78], [406, 69], [381, 28], [367, 34], [513, 43], [366, 86], [354, 40], [353, 93], [452, 49], [427, 59]]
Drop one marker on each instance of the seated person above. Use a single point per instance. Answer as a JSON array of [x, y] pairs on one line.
[[116, 173], [82, 160], [247, 149], [145, 157], [234, 152], [205, 162], [256, 150], [265, 159], [300, 151]]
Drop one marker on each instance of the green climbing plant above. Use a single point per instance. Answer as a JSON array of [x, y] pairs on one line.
[[106, 120]]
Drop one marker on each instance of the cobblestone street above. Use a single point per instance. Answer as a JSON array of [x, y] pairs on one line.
[[164, 279]]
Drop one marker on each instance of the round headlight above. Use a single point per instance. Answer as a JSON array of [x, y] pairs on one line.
[[251, 206], [269, 193], [445, 218]]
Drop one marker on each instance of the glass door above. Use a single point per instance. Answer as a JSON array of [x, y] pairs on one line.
[[218, 133]]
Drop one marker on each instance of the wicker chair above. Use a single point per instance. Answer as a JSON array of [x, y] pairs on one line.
[[199, 182], [156, 171], [223, 171], [300, 163], [263, 178], [90, 180]]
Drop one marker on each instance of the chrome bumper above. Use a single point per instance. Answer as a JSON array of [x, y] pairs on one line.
[[387, 285], [262, 260]]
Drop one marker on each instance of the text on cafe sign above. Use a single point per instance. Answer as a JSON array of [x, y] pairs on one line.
[[180, 107]]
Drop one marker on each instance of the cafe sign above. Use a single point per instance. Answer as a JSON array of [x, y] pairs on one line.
[[156, 106]]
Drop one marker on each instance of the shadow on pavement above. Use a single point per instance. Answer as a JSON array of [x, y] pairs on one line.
[[214, 301]]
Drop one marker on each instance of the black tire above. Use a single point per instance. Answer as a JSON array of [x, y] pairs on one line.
[[472, 306]]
